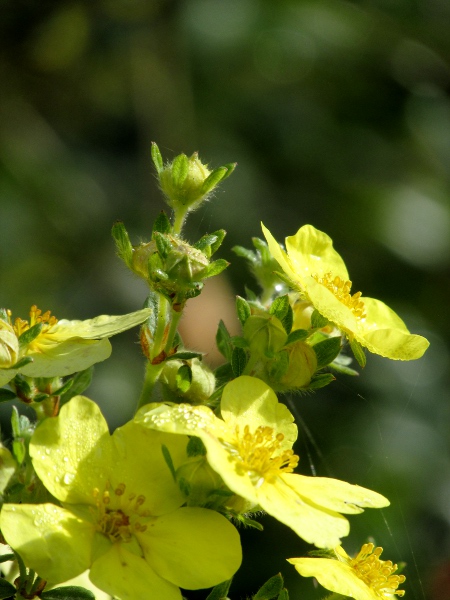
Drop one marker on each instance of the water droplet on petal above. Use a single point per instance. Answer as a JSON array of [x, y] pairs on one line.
[[68, 478]]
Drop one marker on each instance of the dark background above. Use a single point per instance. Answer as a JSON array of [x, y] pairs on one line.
[[338, 114]]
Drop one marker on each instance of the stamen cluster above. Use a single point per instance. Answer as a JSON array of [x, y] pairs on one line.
[[36, 316], [341, 289], [376, 573]]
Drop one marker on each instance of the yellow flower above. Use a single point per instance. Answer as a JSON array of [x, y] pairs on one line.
[[320, 274], [121, 514], [59, 348], [251, 449], [364, 577]]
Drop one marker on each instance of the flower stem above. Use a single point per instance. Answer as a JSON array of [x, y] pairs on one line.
[[148, 393]]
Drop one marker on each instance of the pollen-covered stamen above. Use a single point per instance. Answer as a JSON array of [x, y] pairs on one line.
[[36, 316], [257, 454], [376, 573], [341, 289], [118, 513]]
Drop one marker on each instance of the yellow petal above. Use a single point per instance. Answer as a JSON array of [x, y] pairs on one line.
[[280, 255]]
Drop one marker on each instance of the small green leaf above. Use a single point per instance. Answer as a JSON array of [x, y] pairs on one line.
[[6, 395], [220, 591], [339, 368], [162, 224], [68, 592], [167, 457], [327, 351], [213, 179], [318, 321], [239, 341], [179, 170], [80, 382], [215, 268], [163, 244], [7, 590], [298, 335], [358, 353], [195, 447], [320, 381], [184, 378], [281, 308], [30, 334], [223, 341], [26, 360], [242, 309], [185, 355], [238, 361], [244, 253], [270, 589], [157, 158], [122, 240], [283, 595], [211, 242]]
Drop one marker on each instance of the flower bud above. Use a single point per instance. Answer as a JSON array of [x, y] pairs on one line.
[[9, 346], [199, 481], [302, 366], [264, 334], [187, 380], [182, 181]]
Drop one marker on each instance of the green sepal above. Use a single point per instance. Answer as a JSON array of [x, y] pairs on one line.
[[40, 397], [220, 591], [320, 381], [30, 334], [152, 301], [327, 351], [183, 378], [68, 592], [179, 170], [22, 387], [210, 242], [344, 370], [157, 158], [162, 243], [213, 179], [270, 589], [7, 590], [238, 361], [239, 341], [298, 335], [250, 294], [278, 366], [6, 395], [215, 268], [281, 308], [80, 382], [22, 429], [223, 341], [318, 321], [162, 224], [184, 486], [358, 353], [123, 244], [168, 459], [185, 355], [245, 253], [26, 360], [242, 309], [195, 447], [64, 388], [285, 279], [283, 595]]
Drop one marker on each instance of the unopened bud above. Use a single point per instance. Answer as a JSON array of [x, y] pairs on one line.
[[9, 346], [264, 334], [189, 380]]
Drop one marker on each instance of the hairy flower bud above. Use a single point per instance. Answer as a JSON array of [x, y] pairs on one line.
[[302, 366], [187, 380], [9, 346], [264, 334]]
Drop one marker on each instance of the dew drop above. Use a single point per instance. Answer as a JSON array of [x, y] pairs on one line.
[[68, 478]]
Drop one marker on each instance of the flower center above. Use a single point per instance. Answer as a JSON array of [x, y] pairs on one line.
[[118, 513], [341, 289], [36, 316], [254, 454], [376, 573]]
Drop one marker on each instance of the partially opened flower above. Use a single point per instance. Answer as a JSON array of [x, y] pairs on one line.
[[364, 577], [320, 275], [58, 348], [251, 449], [121, 513]]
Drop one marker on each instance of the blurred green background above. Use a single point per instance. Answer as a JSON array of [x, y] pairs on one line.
[[338, 114]]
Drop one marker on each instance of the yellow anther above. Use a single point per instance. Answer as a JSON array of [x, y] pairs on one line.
[[376, 573], [120, 489], [341, 289]]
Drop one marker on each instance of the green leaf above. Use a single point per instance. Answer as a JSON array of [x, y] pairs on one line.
[[220, 591], [209, 243], [68, 592], [122, 240], [162, 224], [163, 244], [339, 368], [213, 179], [215, 268], [179, 170], [7, 557], [6, 395], [358, 353], [80, 382], [317, 321], [283, 595], [167, 457], [195, 447], [184, 378], [223, 341], [247, 522], [327, 351], [7, 590], [242, 309], [26, 360], [185, 355], [152, 301], [157, 158], [281, 308], [270, 589], [244, 253], [298, 335], [30, 334], [238, 361], [320, 381]]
